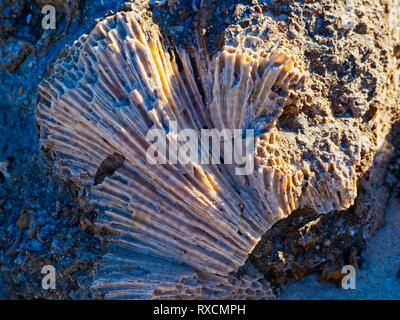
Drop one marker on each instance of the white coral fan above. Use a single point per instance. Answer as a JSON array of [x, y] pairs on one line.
[[182, 231]]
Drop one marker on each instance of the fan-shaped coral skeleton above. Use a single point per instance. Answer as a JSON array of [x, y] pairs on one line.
[[180, 231]]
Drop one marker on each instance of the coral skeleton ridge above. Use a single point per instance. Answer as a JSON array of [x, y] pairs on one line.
[[184, 231]]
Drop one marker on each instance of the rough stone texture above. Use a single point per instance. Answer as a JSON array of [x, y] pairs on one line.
[[377, 273], [364, 70], [349, 52], [20, 28]]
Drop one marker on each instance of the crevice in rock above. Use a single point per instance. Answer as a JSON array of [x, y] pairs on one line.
[[108, 166]]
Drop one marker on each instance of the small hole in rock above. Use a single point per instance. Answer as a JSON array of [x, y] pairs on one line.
[[108, 166]]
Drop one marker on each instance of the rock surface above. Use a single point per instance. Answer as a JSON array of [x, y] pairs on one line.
[[350, 96]]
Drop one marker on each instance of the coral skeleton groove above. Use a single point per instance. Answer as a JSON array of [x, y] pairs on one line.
[[180, 231]]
